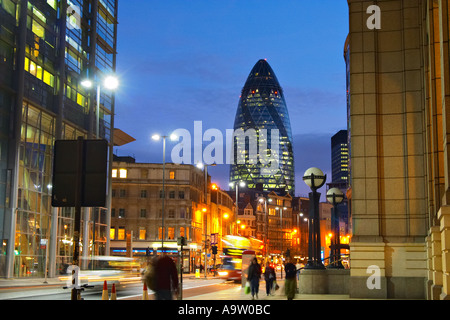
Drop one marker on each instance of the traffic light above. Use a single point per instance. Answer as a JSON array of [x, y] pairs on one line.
[[214, 249]]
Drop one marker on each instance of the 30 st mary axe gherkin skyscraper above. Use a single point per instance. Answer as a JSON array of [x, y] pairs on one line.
[[262, 108]]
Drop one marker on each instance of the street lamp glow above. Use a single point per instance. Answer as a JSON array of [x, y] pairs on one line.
[[200, 165], [111, 83], [242, 184], [336, 194], [314, 178], [156, 137], [173, 137], [87, 83]]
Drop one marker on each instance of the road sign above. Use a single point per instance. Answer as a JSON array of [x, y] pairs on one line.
[[214, 238], [93, 171]]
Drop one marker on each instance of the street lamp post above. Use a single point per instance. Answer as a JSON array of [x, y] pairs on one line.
[[236, 185], [110, 83], [205, 167], [157, 137], [335, 196], [315, 179], [266, 226]]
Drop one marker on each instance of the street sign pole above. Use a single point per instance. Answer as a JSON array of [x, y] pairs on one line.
[[77, 223]]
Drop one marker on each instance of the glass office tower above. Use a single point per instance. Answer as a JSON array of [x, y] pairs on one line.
[[262, 106], [47, 48]]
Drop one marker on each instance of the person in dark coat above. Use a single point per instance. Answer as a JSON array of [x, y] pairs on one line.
[[166, 278], [254, 274], [270, 277], [290, 283]]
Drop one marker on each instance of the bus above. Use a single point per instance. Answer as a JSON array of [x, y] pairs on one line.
[[110, 268], [232, 247]]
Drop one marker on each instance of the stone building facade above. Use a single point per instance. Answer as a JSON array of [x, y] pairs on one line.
[[399, 90]]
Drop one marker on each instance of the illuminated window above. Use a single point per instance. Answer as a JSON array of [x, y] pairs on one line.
[[81, 99], [121, 233], [33, 68], [172, 175], [122, 173], [114, 173], [112, 233], [49, 78], [171, 233], [38, 29], [160, 232], [142, 233], [39, 72], [52, 3]]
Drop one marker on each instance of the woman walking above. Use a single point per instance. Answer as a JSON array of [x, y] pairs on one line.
[[254, 274], [270, 277]]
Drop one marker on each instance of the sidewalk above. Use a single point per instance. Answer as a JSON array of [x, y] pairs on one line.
[[237, 293]]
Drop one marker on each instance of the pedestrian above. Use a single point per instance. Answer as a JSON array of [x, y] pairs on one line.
[[290, 283], [166, 278], [254, 274], [270, 277]]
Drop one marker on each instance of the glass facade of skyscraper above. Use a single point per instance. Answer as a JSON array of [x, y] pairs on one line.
[[262, 106], [47, 48]]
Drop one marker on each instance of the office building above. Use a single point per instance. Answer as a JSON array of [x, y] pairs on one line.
[[47, 49], [262, 106]]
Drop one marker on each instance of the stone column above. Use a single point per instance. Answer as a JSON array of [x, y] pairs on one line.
[[436, 263], [444, 232]]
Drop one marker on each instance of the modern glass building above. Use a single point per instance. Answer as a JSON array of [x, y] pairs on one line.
[[47, 47], [339, 157], [262, 106]]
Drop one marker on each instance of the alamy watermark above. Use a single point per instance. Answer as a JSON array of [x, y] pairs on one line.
[[374, 280], [374, 21], [251, 147]]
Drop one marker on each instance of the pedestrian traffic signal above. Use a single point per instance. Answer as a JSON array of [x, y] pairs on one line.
[[214, 249]]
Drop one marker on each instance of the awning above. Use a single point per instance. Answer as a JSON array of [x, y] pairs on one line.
[[121, 138]]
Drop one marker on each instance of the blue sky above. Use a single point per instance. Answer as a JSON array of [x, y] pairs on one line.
[[183, 61]]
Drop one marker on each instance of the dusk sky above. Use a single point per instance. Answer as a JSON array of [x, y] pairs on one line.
[[183, 61]]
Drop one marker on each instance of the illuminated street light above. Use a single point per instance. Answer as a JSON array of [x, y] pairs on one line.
[[315, 179], [335, 196], [158, 137], [236, 185], [111, 83]]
